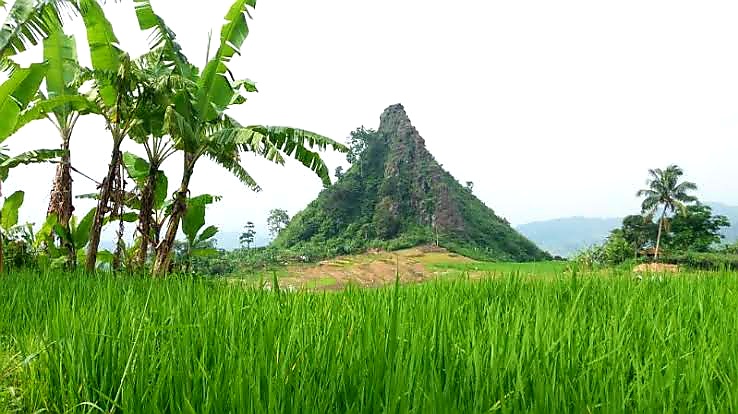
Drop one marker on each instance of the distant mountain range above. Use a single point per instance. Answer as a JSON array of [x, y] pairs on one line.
[[566, 236]]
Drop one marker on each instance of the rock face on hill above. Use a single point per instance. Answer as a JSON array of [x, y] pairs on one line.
[[396, 195]]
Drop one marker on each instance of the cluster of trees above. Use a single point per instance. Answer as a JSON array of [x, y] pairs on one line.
[[277, 220], [672, 220], [159, 100]]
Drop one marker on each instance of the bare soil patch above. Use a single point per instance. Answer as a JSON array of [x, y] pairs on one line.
[[372, 269], [656, 268]]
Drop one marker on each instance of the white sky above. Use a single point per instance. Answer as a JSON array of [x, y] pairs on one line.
[[551, 108]]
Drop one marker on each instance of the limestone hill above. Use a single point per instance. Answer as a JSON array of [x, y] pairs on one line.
[[396, 195]]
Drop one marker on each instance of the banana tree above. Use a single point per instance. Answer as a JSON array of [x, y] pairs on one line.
[[150, 133], [8, 220], [199, 243], [62, 105], [75, 235], [26, 23], [7, 162], [152, 186], [61, 55], [118, 95], [199, 126], [15, 95]]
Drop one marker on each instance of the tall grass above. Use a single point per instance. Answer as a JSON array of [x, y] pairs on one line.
[[582, 344]]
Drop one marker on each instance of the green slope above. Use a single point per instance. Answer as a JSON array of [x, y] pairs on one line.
[[396, 195]]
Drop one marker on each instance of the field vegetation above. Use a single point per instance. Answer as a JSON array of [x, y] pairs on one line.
[[581, 342]]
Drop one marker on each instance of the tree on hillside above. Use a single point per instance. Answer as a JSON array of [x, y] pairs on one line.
[[697, 230], [667, 194], [470, 186], [276, 222], [247, 237], [357, 143], [339, 172]]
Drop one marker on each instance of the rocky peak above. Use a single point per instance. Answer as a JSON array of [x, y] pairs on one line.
[[395, 124], [398, 191]]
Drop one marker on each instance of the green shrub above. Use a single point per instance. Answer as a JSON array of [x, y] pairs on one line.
[[707, 261]]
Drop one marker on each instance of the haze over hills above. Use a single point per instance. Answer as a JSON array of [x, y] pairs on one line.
[[731, 212], [566, 236], [397, 195]]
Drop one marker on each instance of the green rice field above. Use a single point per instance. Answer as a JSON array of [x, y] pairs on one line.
[[565, 343]]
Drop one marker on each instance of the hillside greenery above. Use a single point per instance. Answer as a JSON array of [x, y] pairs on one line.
[[368, 208]]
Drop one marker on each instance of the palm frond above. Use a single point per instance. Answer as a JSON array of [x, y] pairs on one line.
[[685, 186], [650, 204], [645, 193], [231, 163]]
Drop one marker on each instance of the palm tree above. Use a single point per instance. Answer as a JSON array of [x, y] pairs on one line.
[[197, 123], [665, 192]]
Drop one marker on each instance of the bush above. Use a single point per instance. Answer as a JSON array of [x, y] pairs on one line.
[[707, 261], [616, 250]]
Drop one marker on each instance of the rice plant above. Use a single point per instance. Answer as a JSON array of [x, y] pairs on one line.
[[77, 343]]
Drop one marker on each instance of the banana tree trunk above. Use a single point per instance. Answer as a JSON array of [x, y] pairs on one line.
[[60, 200], [164, 251], [106, 190], [119, 190], [145, 217]]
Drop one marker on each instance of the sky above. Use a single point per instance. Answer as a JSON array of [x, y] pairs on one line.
[[552, 109]]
